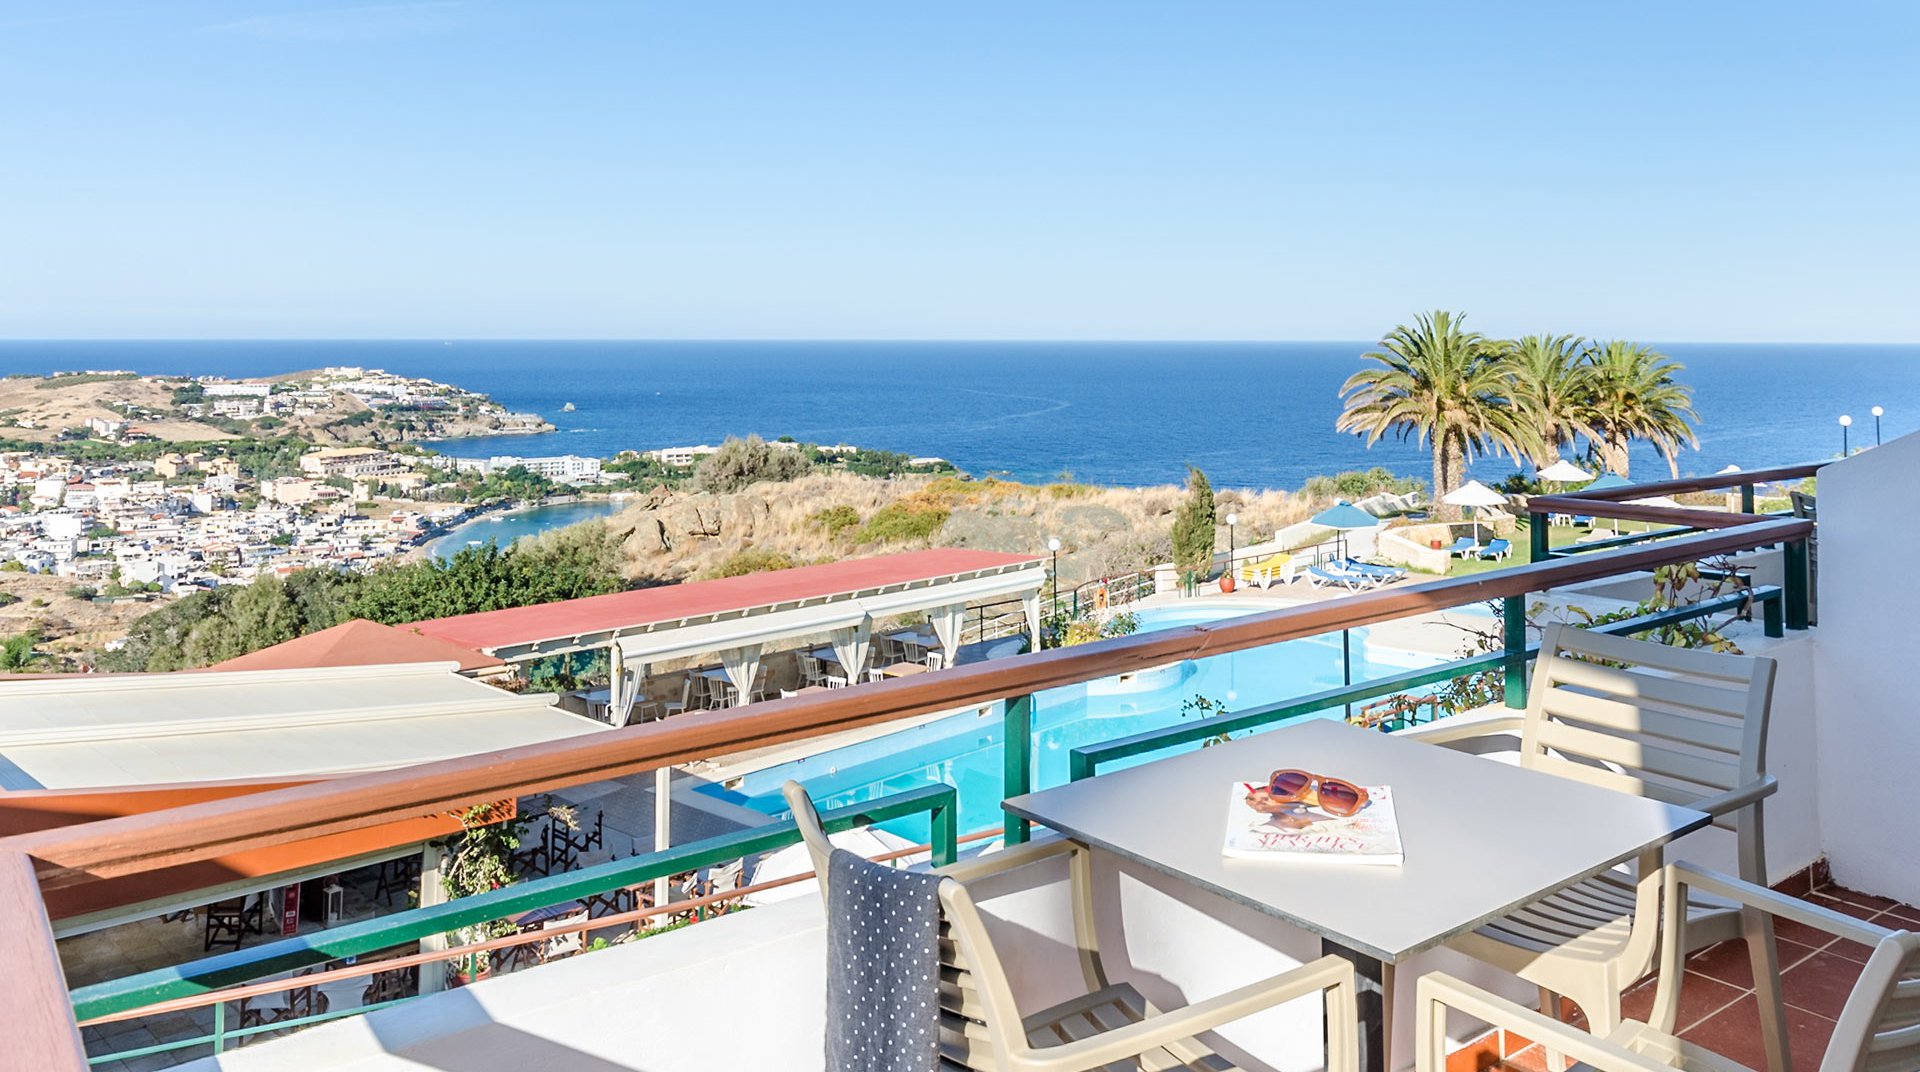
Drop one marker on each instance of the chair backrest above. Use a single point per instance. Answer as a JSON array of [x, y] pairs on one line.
[[1673, 724], [716, 691], [979, 1021], [1879, 1027]]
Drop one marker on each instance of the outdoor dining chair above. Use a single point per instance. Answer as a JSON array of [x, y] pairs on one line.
[[1878, 1028], [1681, 726], [1111, 1025]]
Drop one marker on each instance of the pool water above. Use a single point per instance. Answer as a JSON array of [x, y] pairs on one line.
[[965, 750]]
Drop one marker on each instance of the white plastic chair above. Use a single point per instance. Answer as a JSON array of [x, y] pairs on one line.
[[1878, 1028], [1111, 1025], [1682, 726]]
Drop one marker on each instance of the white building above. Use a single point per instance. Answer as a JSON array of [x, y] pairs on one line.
[[679, 457], [236, 390], [566, 468]]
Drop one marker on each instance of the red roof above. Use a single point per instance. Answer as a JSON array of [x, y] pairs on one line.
[[490, 630], [359, 643]]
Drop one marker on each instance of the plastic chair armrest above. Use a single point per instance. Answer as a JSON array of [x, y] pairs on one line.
[[1738, 797], [1438, 992], [1774, 904], [1330, 974]]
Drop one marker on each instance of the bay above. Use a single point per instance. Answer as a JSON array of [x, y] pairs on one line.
[[1131, 413]]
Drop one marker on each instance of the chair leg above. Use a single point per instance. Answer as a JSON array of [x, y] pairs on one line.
[[1550, 1007]]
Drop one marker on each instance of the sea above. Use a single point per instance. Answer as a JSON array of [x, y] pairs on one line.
[[1257, 415]]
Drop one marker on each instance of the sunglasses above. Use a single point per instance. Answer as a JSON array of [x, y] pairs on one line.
[[1337, 796]]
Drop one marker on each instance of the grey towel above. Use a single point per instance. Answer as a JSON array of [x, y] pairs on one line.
[[883, 967]]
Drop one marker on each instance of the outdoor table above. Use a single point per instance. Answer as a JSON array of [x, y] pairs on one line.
[[904, 669], [1481, 838]]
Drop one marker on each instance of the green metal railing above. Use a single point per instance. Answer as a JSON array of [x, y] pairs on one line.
[[1085, 761], [938, 802]]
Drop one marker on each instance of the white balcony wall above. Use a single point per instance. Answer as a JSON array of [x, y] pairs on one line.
[[1869, 592]]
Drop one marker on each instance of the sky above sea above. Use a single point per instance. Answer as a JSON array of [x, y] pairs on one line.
[[1086, 169], [1249, 414]]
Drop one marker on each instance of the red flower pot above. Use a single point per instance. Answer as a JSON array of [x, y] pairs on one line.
[[1226, 583]]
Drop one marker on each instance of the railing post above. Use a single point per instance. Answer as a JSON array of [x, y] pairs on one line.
[[1539, 536], [1746, 498], [943, 830], [219, 1027], [1514, 612], [1018, 750], [1772, 617], [1796, 584]]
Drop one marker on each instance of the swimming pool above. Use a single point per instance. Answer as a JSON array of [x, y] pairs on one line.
[[965, 750]]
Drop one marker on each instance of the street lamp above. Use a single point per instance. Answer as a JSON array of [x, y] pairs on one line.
[[1053, 574], [1877, 414], [1232, 520], [1846, 422]]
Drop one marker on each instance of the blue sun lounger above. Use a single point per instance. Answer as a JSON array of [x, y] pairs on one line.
[[1496, 549], [1332, 575], [1381, 574], [1463, 546]]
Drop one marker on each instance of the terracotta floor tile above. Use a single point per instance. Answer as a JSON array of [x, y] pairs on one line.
[[1728, 961], [1479, 1055], [1851, 908], [1798, 884], [1868, 900], [1699, 996], [1821, 983], [1853, 951], [1734, 1032], [1531, 1059], [1793, 931], [1901, 917]]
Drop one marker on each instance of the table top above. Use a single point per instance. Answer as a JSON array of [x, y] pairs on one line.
[[1481, 837], [903, 669]]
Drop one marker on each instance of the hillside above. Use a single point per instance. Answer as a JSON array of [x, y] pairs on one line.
[[677, 535]]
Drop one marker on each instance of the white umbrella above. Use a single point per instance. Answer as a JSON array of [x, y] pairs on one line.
[[1475, 495], [793, 860], [1563, 471]]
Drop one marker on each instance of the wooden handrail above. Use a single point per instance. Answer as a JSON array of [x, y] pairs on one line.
[[33, 988], [136, 844]]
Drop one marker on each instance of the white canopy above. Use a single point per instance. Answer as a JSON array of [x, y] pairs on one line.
[[113, 730], [1563, 471], [1473, 493]]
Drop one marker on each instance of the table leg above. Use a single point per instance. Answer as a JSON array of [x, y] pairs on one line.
[[1374, 986]]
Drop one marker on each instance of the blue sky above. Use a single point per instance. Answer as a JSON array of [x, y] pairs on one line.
[[1259, 170]]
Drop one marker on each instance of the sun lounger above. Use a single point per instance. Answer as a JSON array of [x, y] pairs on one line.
[[1496, 549], [1382, 574], [1465, 547], [1272, 570], [1330, 575]]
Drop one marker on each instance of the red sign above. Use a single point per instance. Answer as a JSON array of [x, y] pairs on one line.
[[290, 911]]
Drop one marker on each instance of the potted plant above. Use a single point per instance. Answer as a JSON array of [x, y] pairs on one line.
[[481, 861]]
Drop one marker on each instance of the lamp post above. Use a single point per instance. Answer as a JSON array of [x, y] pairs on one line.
[[1846, 423], [1053, 572], [1877, 414], [1232, 520]]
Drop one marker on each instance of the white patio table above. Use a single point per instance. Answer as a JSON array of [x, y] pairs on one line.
[[1456, 813]]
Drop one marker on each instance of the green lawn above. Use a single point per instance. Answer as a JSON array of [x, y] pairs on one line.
[[1557, 536]]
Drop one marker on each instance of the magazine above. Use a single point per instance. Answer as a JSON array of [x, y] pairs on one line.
[[1300, 832]]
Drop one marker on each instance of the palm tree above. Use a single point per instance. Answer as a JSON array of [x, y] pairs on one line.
[[1635, 396], [1440, 385], [1553, 389]]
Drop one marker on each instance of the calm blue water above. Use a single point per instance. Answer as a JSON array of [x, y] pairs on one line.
[[1254, 414], [505, 528], [965, 750]]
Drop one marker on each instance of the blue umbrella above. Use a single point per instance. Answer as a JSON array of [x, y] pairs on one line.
[[1342, 516], [1608, 480]]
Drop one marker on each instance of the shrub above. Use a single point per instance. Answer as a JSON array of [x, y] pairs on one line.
[[751, 560], [741, 462], [905, 521], [1193, 528], [836, 519]]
